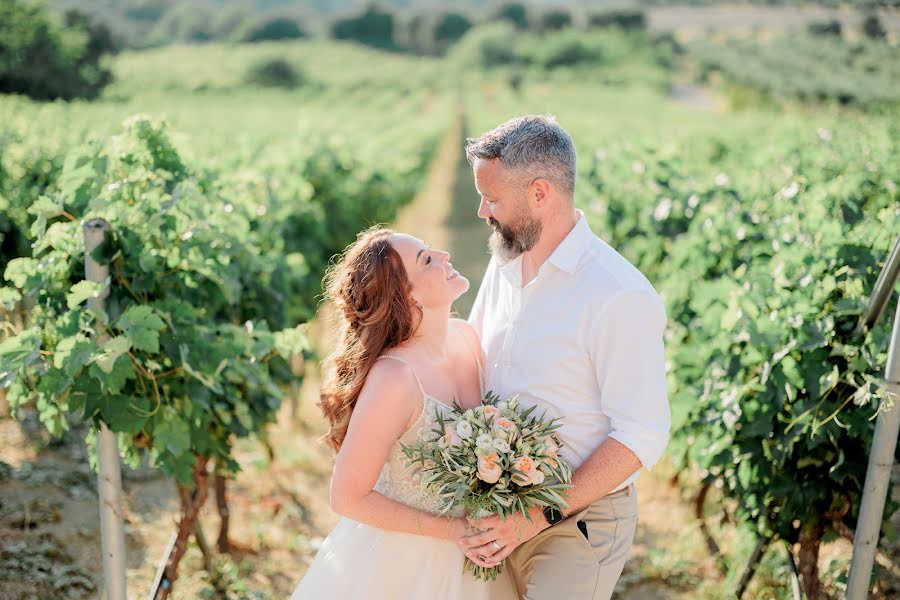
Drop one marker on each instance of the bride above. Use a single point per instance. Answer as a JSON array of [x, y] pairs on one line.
[[400, 358]]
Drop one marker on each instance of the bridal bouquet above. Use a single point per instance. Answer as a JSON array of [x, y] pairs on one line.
[[491, 459]]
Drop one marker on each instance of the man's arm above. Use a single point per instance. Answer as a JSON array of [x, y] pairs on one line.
[[629, 362], [627, 354]]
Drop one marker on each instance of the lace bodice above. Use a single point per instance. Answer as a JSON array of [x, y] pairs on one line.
[[398, 479]]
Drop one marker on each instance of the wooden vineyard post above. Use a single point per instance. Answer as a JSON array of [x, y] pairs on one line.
[[109, 476], [884, 444]]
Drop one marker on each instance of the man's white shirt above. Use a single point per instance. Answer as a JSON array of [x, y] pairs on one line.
[[583, 341]]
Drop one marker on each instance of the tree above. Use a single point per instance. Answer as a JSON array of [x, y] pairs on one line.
[[374, 27], [42, 59], [626, 19], [450, 27], [515, 13], [872, 27], [555, 20], [278, 28]]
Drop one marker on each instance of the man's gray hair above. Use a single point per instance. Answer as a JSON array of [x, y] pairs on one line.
[[534, 145]]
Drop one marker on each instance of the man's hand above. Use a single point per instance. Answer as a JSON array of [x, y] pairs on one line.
[[498, 538]]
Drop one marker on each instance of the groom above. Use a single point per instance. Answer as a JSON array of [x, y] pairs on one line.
[[570, 326]]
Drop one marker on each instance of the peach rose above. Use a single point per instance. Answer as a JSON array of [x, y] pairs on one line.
[[490, 412], [451, 438], [527, 468], [489, 470], [552, 451], [507, 427]]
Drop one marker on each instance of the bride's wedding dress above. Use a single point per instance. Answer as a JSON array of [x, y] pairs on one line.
[[358, 562]]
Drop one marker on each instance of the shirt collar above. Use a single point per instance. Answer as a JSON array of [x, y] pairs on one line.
[[565, 257], [573, 246]]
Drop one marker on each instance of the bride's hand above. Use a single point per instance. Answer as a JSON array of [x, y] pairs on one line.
[[461, 528]]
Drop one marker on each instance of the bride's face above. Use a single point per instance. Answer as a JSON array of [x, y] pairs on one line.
[[435, 283]]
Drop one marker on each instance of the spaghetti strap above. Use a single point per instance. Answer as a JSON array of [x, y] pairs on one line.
[[477, 363], [405, 362]]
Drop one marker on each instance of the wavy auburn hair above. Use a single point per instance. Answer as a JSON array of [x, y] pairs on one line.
[[370, 290]]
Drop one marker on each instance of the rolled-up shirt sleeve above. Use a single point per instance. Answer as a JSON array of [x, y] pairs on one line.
[[626, 341]]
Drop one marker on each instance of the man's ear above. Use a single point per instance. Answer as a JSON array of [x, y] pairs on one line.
[[539, 191]]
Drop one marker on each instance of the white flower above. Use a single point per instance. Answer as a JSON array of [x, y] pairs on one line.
[[501, 445], [663, 210], [464, 429], [484, 441]]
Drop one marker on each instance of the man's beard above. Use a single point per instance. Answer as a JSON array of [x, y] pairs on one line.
[[509, 241]]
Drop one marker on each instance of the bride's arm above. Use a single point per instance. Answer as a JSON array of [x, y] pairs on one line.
[[389, 400]]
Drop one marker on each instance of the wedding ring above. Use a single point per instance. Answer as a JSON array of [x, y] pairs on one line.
[[495, 545]]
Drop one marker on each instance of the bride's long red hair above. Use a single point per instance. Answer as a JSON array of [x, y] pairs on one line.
[[371, 294]]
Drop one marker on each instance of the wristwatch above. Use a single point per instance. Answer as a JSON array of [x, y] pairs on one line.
[[552, 515]]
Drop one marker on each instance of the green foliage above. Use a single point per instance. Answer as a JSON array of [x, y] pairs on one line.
[[274, 72], [211, 258], [146, 10], [187, 22], [554, 20], [765, 279], [515, 13], [182, 354], [832, 27], [450, 27], [624, 18], [808, 68], [229, 23], [374, 27], [598, 54], [565, 50], [276, 28], [44, 60], [872, 27]]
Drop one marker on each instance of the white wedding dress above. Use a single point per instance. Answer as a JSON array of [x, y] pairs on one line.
[[359, 562]]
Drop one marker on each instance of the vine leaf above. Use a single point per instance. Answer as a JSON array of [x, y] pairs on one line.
[[141, 326]]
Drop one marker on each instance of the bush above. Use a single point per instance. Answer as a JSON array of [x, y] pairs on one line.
[[146, 10], [188, 22], [274, 72], [626, 19], [555, 20], [278, 28], [514, 13], [565, 51], [450, 27], [41, 59], [488, 46], [374, 27], [832, 27], [872, 28], [230, 22]]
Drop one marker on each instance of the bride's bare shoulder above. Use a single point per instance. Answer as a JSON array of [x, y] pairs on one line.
[[466, 330], [390, 380], [468, 333]]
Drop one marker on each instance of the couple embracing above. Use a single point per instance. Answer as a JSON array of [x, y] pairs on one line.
[[561, 320]]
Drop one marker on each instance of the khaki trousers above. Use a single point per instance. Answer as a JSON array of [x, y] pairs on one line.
[[580, 558]]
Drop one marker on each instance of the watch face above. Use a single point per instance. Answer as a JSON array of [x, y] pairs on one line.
[[552, 515]]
